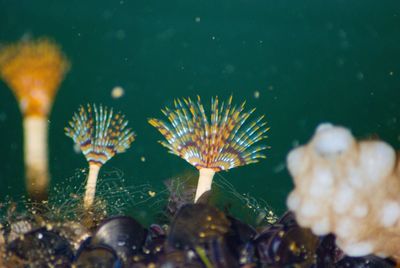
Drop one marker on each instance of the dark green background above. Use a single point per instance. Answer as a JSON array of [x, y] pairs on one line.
[[311, 61]]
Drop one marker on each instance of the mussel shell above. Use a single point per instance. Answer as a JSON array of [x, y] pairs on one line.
[[122, 233], [172, 259], [180, 259], [97, 257], [269, 232], [241, 231], [195, 224], [42, 247], [155, 241], [238, 238], [369, 261], [327, 252], [220, 254], [288, 220], [247, 255], [294, 246], [156, 230]]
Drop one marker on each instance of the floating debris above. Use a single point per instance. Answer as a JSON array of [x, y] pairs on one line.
[[117, 92]]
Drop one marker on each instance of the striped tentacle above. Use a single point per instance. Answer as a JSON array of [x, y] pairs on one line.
[[100, 133], [220, 142]]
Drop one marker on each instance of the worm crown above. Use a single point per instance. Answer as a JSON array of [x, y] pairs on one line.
[[33, 69], [222, 142], [100, 133]]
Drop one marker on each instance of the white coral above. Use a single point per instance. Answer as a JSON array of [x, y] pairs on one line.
[[348, 188]]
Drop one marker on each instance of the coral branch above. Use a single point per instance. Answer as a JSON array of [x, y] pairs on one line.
[[348, 188]]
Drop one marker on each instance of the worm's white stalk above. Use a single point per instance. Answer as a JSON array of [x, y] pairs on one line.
[[36, 156], [90, 191], [205, 182]]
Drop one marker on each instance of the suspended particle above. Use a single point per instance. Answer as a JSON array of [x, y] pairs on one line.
[[117, 92], [256, 94]]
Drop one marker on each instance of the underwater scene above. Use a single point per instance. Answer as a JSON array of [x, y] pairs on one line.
[[199, 133]]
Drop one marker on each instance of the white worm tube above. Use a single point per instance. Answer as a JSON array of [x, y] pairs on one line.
[[204, 183], [36, 156], [90, 191]]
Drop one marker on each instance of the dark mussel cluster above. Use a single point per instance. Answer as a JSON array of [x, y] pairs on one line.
[[197, 235]]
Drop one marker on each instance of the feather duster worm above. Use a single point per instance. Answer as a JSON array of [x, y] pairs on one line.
[[34, 69], [211, 145], [101, 134]]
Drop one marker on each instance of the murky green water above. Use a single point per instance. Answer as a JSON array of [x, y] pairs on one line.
[[309, 61]]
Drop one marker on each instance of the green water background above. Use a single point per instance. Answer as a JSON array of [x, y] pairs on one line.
[[310, 61]]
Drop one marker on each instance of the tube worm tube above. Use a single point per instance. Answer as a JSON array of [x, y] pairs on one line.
[[100, 134], [34, 69]]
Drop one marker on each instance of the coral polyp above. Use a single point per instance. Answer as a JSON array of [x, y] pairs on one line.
[[100, 133], [220, 142], [34, 69], [349, 188]]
